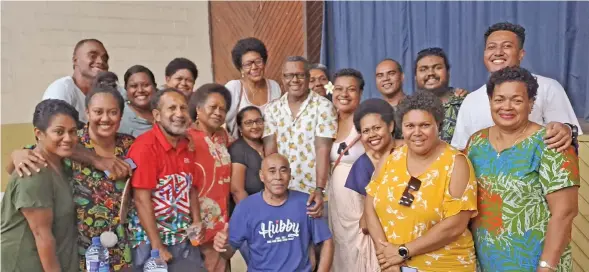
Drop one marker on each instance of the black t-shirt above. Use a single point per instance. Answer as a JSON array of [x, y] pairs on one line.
[[244, 154]]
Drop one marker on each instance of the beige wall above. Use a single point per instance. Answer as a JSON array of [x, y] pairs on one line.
[[38, 39]]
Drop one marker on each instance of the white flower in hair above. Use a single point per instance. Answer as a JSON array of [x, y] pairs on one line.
[[328, 88]]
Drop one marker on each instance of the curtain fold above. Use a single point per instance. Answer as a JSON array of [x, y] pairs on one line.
[[360, 34]]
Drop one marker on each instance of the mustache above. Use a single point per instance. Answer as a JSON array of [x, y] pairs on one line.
[[432, 76]]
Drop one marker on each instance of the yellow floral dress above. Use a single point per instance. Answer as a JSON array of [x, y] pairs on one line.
[[433, 203]]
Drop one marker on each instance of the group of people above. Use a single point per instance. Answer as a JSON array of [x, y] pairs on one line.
[[308, 178]]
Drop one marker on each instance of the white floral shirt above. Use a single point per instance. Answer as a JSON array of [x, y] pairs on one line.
[[295, 136]]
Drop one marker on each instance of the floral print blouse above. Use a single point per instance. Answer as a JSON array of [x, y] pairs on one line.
[[98, 201]]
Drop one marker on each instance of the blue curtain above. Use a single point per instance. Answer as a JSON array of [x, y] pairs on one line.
[[360, 34]]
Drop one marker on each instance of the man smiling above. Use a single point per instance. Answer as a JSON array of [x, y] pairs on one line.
[[89, 59], [504, 46]]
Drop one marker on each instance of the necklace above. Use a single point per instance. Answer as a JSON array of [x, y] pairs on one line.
[[516, 139]]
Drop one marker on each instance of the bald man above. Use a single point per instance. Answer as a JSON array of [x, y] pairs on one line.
[[275, 225]]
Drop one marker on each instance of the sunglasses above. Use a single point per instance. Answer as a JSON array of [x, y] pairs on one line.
[[407, 197], [341, 149]]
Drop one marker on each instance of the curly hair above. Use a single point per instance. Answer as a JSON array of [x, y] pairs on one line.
[[248, 45], [199, 97], [350, 72], [511, 74], [47, 109], [433, 51], [157, 96], [135, 69], [374, 106], [106, 89], [518, 30], [421, 100], [179, 64]]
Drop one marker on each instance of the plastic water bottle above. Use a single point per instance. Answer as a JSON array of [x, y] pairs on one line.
[[155, 263], [97, 259]]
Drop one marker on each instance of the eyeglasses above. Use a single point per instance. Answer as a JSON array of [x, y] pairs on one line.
[[341, 149], [258, 62], [407, 197], [249, 123], [291, 76]]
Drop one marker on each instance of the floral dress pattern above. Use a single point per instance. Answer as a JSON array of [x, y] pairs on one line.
[[513, 212], [98, 201], [295, 136], [214, 191], [433, 203]]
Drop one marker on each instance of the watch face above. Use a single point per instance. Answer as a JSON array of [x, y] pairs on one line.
[[403, 251]]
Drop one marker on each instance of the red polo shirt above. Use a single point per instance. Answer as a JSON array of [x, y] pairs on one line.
[[169, 172]]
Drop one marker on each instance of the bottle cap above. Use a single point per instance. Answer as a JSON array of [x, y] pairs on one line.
[[96, 240], [155, 253]]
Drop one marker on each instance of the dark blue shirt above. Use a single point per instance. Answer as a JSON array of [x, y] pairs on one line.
[[278, 237]]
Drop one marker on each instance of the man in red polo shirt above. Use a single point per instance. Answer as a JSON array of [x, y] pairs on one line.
[[166, 199]]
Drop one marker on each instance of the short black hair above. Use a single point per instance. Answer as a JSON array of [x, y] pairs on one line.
[[241, 113], [511, 74], [350, 72], [198, 98], [138, 69], [396, 62], [376, 106], [321, 67], [518, 30], [47, 109], [248, 45], [84, 41], [432, 51], [106, 89], [179, 64], [421, 100], [105, 78], [155, 99]]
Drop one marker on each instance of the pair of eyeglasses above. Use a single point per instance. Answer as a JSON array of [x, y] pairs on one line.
[[412, 186], [249, 123], [258, 62], [291, 76], [341, 149]]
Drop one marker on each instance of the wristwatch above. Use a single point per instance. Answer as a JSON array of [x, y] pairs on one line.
[[404, 252], [574, 130], [544, 264], [320, 189]]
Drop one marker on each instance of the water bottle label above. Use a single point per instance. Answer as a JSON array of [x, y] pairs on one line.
[[92, 265]]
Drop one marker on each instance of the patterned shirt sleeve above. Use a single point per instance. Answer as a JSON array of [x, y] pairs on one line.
[[558, 170], [327, 122], [468, 202], [269, 123]]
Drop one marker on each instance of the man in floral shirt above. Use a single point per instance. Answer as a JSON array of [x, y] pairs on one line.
[[432, 73], [301, 125]]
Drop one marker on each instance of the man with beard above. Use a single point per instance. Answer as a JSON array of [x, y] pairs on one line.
[[89, 59], [389, 82], [504, 46], [275, 225], [432, 73], [301, 125], [164, 181]]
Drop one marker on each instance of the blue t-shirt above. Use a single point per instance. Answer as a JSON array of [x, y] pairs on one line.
[[360, 174], [278, 237]]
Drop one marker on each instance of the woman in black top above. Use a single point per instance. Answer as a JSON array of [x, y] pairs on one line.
[[246, 154]]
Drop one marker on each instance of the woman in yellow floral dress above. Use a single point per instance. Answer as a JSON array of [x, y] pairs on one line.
[[421, 199]]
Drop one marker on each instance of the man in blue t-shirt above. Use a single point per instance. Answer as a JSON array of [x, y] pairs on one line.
[[275, 225]]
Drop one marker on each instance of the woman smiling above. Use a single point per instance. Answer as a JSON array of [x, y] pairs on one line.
[[140, 86], [208, 108]]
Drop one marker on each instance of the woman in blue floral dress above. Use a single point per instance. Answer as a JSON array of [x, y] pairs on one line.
[[527, 193]]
